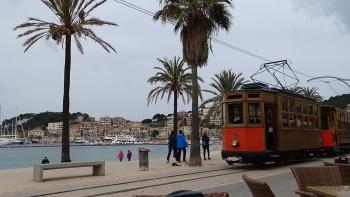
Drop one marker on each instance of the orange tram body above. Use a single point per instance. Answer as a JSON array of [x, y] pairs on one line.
[[272, 125]]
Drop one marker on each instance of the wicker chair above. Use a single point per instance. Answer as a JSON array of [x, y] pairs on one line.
[[344, 171], [220, 194], [258, 188], [315, 176]]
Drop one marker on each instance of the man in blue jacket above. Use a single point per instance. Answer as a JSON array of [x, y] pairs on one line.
[[181, 144]]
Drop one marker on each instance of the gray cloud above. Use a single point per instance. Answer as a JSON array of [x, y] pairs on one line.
[[339, 9]]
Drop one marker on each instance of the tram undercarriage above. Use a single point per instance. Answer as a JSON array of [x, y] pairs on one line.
[[274, 157]]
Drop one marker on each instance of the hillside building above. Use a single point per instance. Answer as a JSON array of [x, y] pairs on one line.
[[55, 128]]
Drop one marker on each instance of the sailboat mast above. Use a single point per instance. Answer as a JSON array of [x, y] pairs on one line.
[[16, 127], [0, 122]]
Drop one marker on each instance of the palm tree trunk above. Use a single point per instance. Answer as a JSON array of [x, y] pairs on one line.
[[65, 156], [195, 156], [175, 111]]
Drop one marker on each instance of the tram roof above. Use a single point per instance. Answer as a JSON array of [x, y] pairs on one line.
[[266, 88]]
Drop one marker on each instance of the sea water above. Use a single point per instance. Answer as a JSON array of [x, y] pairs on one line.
[[27, 156]]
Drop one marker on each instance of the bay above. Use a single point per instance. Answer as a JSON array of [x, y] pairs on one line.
[[27, 156]]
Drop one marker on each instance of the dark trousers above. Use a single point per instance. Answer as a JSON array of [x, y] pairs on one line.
[[206, 148], [179, 154], [170, 149]]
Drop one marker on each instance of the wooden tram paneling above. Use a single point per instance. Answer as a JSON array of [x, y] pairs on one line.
[[298, 139], [305, 136]]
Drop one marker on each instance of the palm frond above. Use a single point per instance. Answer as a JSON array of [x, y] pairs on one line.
[[170, 77], [67, 23], [222, 82]]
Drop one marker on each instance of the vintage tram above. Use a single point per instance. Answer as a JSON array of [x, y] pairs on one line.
[[263, 124], [335, 125]]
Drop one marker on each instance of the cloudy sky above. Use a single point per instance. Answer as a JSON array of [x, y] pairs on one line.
[[313, 35]]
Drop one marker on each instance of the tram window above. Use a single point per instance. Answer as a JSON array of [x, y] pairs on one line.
[[305, 108], [310, 109], [292, 120], [235, 112], [298, 107], [254, 113], [285, 119], [325, 122], [298, 121], [284, 104], [316, 123], [291, 105], [253, 95], [311, 122], [236, 96], [315, 110], [305, 121]]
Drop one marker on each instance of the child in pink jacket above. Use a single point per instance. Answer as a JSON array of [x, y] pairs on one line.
[[120, 156]]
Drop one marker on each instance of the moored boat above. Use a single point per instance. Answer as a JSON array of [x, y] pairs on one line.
[[5, 141]]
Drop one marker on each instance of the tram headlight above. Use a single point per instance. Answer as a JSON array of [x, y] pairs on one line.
[[235, 143]]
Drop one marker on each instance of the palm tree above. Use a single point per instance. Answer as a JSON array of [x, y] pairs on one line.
[[296, 90], [72, 20], [311, 93], [173, 79], [223, 82], [197, 21]]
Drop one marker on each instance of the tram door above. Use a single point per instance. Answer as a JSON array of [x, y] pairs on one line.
[[270, 126]]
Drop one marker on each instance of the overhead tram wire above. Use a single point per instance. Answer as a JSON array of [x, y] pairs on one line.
[[332, 88], [140, 9], [147, 12]]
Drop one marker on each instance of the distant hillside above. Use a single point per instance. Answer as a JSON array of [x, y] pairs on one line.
[[339, 101], [31, 121]]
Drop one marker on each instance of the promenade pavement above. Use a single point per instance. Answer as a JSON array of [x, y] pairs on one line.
[[73, 182]]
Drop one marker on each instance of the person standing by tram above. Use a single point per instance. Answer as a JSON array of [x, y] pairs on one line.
[[205, 145], [181, 144], [172, 145]]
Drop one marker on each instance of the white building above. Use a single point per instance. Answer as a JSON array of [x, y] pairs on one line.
[[187, 130], [119, 122], [55, 127], [347, 108], [105, 121], [169, 123], [135, 124], [215, 119], [163, 132], [36, 133]]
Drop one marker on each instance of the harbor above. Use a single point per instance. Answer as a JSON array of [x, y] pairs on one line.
[[27, 155]]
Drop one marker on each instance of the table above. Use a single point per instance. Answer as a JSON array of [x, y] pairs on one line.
[[330, 191]]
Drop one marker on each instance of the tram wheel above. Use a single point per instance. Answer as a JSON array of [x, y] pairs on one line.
[[229, 162]]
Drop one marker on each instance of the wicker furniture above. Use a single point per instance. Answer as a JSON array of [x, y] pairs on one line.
[[257, 187], [220, 194], [344, 171], [315, 176], [330, 191]]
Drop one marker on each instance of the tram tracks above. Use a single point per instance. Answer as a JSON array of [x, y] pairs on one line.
[[128, 186]]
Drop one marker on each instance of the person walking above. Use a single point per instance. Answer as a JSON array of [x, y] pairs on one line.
[[129, 155], [171, 145], [181, 144], [120, 156], [205, 145]]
